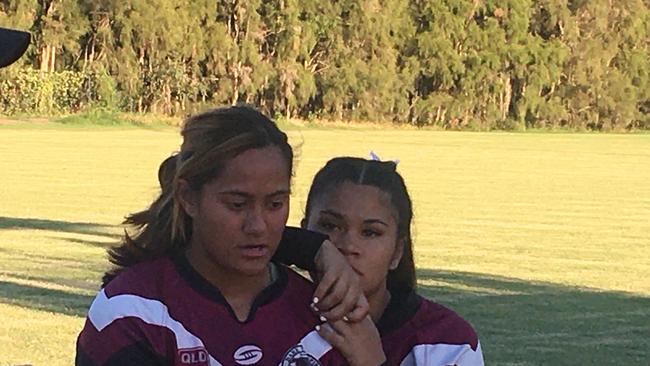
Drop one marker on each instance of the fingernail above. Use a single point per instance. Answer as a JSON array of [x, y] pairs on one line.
[[314, 308], [315, 301], [318, 328], [322, 318], [345, 318]]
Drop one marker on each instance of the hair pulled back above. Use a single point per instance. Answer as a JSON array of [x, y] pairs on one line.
[[210, 140], [384, 176]]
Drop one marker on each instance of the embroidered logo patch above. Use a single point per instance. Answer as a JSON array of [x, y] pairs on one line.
[[296, 356], [248, 355]]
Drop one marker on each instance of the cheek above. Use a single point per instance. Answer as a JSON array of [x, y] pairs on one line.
[[374, 267], [376, 257], [217, 214], [277, 220]]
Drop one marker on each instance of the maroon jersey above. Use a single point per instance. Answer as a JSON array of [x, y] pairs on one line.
[[163, 312], [418, 332]]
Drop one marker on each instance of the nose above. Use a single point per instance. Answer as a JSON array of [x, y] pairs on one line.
[[345, 243], [255, 222]]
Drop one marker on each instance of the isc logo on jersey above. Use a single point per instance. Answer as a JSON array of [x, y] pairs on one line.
[[248, 355], [193, 356]]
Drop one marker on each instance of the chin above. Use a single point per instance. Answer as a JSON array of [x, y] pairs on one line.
[[254, 270]]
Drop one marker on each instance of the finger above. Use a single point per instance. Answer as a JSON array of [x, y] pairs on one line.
[[324, 286], [330, 335], [335, 298], [350, 291], [360, 310], [341, 327], [336, 313], [347, 304], [335, 295]]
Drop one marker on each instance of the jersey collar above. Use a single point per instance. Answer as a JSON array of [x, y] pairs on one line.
[[401, 308], [211, 292]]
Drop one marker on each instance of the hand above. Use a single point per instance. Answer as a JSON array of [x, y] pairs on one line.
[[339, 293], [358, 342]]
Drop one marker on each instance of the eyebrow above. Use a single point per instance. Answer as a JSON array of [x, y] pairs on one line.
[[340, 216], [234, 192], [332, 213], [374, 221]]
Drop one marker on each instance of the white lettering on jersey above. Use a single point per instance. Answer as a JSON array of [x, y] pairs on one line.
[[193, 356]]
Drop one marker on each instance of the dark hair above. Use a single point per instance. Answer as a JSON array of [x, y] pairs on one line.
[[384, 176], [210, 140]]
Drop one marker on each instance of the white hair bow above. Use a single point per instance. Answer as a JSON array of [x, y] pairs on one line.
[[375, 157]]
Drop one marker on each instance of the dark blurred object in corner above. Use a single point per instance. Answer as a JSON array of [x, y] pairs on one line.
[[13, 43]]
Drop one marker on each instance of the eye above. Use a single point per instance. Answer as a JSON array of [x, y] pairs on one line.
[[327, 226], [276, 205], [236, 205], [276, 202], [370, 233]]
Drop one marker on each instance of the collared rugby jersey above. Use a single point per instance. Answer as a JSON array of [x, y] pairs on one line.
[[163, 312], [417, 332]]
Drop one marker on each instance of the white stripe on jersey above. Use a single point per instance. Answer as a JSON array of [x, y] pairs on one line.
[[315, 345], [105, 311], [444, 355]]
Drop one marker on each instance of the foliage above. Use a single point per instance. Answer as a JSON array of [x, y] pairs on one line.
[[32, 91], [455, 64], [97, 116]]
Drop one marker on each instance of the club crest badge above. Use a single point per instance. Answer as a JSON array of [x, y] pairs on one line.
[[296, 356], [248, 355]]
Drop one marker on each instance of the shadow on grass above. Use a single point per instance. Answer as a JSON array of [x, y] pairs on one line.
[[96, 243], [539, 323], [59, 226], [39, 298], [79, 284]]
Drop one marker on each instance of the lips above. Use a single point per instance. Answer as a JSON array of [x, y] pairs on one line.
[[254, 251]]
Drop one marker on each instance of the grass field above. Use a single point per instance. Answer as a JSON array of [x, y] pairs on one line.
[[542, 241]]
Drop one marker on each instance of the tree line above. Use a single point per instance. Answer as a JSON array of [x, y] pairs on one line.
[[481, 64]]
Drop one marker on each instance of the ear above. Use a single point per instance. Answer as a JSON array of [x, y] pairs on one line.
[[188, 198], [397, 254], [303, 223]]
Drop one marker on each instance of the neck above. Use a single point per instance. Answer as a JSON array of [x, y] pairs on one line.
[[378, 301], [238, 289]]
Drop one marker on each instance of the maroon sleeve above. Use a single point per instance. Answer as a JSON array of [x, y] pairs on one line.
[[299, 247], [124, 342]]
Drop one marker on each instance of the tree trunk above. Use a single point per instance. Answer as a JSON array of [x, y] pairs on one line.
[[505, 104], [47, 58], [52, 58]]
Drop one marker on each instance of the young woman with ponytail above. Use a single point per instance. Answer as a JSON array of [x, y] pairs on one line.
[[196, 282], [365, 209]]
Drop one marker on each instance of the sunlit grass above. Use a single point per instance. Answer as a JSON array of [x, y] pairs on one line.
[[542, 241]]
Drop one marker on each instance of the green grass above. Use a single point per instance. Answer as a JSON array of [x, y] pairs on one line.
[[542, 241]]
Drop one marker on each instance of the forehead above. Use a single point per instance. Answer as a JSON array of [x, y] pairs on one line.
[[261, 170], [356, 201]]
